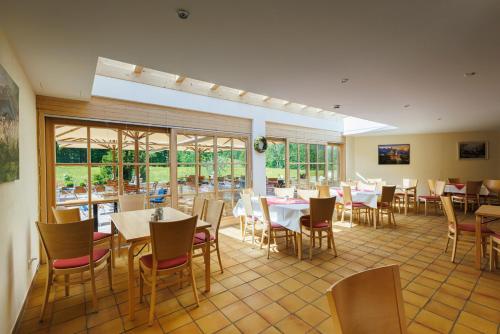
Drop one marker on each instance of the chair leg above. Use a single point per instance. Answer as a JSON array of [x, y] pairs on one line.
[[286, 239], [244, 231], [193, 284], [425, 208], [343, 213], [447, 243], [48, 285], [262, 236], [311, 235], [152, 303], [253, 233], [492, 254], [66, 285], [333, 243], [268, 241], [454, 249], [320, 239], [119, 242], [110, 273], [218, 255]]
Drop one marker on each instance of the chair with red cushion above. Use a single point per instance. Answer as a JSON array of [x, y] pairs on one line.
[[72, 215], [213, 216], [354, 208], [171, 253], [271, 229], [68, 248], [436, 189], [471, 196], [456, 229], [318, 221]]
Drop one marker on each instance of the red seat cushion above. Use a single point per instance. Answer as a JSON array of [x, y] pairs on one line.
[[357, 204], [147, 260], [429, 197], [305, 220], [80, 261], [200, 238], [276, 225], [100, 235], [471, 227]]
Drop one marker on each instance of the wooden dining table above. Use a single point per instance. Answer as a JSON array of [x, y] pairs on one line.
[[134, 227], [484, 212]]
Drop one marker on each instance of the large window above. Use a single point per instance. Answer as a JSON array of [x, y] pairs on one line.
[[307, 165], [275, 165], [334, 166]]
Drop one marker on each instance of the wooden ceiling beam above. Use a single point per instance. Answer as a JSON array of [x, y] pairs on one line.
[[242, 93], [214, 87], [180, 79], [138, 69]]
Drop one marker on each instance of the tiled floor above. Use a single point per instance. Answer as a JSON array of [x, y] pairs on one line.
[[283, 295]]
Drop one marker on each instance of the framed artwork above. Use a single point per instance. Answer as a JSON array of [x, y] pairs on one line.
[[394, 154], [9, 128], [473, 150]]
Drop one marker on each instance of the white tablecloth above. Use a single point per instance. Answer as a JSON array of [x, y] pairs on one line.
[[287, 215], [451, 188], [368, 198]]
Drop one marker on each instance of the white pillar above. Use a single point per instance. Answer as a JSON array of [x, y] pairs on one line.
[[258, 159]]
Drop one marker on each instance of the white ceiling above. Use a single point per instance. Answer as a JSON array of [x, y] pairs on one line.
[[394, 52]]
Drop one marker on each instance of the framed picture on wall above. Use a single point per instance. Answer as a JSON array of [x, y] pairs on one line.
[[394, 154], [473, 150]]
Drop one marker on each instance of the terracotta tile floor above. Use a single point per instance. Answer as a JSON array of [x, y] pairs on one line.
[[283, 295]]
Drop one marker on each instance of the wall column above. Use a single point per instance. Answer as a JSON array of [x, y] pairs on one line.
[[258, 159]]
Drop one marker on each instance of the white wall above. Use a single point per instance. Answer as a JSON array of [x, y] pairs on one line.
[[432, 156], [133, 91], [18, 203]]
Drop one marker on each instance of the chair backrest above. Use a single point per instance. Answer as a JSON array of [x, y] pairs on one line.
[[407, 183], [347, 195], [449, 212], [199, 207], [493, 186], [247, 204], [284, 192], [266, 216], [131, 202], [306, 194], [368, 302], [432, 186], [64, 216], [453, 180], [473, 187], [172, 239], [66, 241], [439, 190], [323, 191], [387, 194], [213, 213], [321, 209]]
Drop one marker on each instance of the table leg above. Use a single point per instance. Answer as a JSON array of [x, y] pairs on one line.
[[298, 237], [375, 219], [206, 259], [113, 249], [478, 242], [406, 203], [131, 282]]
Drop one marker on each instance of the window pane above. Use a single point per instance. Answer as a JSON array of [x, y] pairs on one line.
[[186, 179], [71, 144], [159, 178], [134, 146], [312, 173], [294, 175], [302, 152], [239, 151], [159, 147], [104, 181], [293, 152], [313, 153], [186, 149], [224, 150], [206, 178], [321, 153], [275, 165], [103, 145], [134, 179], [228, 198], [71, 183], [225, 178], [206, 149], [321, 173], [239, 176]]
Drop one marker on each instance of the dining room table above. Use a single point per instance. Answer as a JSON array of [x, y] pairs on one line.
[[460, 188], [284, 211], [134, 227], [485, 214], [367, 197]]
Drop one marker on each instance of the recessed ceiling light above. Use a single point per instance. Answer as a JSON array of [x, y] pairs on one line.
[[406, 106], [469, 74], [337, 106], [344, 80]]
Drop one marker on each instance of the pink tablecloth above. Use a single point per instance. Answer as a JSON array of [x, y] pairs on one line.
[[285, 201]]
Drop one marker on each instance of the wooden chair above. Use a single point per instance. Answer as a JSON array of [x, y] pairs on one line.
[[368, 302], [306, 194], [494, 249], [493, 187], [385, 206], [323, 191], [72, 215], [354, 208], [171, 253], [436, 190], [471, 196], [455, 229], [249, 220], [284, 192], [318, 221], [68, 248], [453, 180], [411, 194], [213, 215], [199, 207], [129, 202], [271, 229]]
